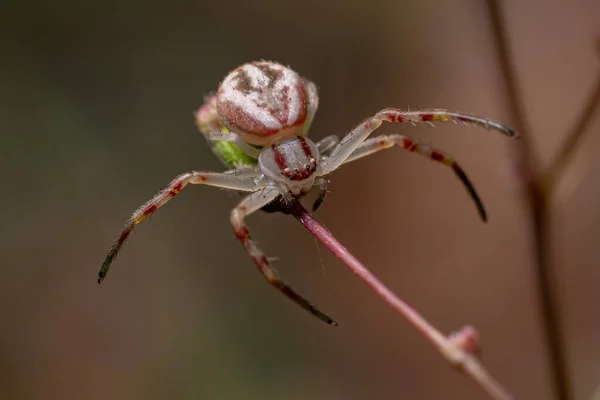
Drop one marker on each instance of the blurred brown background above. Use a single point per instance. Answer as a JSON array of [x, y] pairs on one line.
[[96, 116]]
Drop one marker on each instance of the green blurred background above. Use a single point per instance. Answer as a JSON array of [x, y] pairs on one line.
[[97, 115]]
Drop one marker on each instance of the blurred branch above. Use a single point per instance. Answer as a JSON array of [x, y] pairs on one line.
[[553, 175], [459, 349], [534, 184], [516, 104]]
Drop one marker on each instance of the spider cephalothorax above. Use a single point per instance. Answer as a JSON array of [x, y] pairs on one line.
[[291, 163], [257, 124]]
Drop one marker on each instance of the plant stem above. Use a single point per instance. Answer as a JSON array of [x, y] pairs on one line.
[[567, 153], [449, 349], [538, 207]]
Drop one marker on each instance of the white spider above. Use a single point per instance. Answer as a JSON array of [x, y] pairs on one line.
[[266, 110]]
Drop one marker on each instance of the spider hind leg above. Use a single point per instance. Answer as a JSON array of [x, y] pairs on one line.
[[248, 205]]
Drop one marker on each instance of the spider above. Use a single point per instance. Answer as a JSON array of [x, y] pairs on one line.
[[257, 123]]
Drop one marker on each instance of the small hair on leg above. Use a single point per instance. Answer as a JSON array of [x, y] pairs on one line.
[[378, 143], [248, 205], [247, 183], [322, 184]]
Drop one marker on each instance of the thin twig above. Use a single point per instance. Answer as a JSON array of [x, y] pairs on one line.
[[516, 105], [560, 165], [529, 169], [450, 349]]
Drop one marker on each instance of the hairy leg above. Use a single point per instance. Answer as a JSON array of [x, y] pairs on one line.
[[229, 181], [361, 132], [247, 206], [373, 145], [327, 144], [322, 184]]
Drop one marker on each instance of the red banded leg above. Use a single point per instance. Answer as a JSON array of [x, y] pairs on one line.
[[229, 181], [373, 145], [353, 139], [322, 184], [247, 206]]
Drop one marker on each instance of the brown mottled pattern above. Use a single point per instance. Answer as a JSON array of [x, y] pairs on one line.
[[244, 83], [282, 109], [237, 120], [271, 73], [264, 96]]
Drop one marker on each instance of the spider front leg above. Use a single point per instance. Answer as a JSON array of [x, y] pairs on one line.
[[327, 144], [246, 183], [373, 145], [360, 133], [244, 172], [247, 206], [322, 184]]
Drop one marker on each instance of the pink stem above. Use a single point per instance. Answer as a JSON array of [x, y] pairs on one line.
[[448, 348]]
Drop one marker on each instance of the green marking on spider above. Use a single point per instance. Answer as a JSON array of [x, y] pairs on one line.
[[231, 155]]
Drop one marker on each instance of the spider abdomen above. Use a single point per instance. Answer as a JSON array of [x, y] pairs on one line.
[[262, 101]]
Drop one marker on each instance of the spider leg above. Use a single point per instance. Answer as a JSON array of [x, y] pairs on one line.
[[229, 181], [248, 205], [243, 172], [327, 144], [353, 139], [323, 184], [373, 145]]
